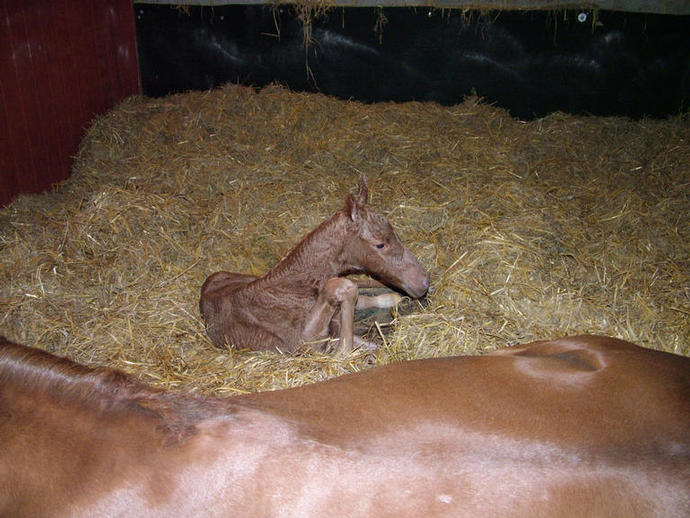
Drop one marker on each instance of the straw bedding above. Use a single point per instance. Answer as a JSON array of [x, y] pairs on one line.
[[532, 230]]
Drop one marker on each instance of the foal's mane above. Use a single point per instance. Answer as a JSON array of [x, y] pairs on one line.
[[314, 245], [104, 390]]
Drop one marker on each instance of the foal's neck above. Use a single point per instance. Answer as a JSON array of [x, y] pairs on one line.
[[318, 256]]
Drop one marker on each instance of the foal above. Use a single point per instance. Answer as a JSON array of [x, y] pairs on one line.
[[305, 297]]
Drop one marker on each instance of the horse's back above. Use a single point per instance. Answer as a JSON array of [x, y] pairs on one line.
[[574, 391], [223, 283], [587, 426]]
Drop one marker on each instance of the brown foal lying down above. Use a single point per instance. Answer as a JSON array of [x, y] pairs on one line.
[[305, 297], [583, 426]]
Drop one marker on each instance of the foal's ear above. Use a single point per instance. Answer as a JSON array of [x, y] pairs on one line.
[[353, 205], [363, 191]]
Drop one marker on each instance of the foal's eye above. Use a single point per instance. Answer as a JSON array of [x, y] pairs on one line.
[[380, 245]]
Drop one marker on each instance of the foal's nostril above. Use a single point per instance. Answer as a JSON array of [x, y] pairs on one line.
[[425, 285], [419, 285], [426, 282]]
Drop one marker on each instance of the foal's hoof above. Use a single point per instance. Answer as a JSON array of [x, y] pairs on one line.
[[409, 306], [365, 345]]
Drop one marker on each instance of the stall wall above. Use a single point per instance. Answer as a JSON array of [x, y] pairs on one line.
[[531, 63], [62, 62]]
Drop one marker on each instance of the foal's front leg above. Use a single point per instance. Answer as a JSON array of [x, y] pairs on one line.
[[337, 292], [383, 301]]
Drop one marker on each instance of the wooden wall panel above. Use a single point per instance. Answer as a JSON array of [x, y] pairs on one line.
[[61, 63]]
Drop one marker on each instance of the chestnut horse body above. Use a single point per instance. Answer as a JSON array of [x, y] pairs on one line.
[[584, 426], [305, 297]]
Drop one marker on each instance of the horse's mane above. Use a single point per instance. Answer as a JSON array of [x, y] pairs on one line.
[[104, 390]]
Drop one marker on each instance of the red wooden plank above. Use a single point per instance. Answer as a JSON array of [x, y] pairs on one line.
[[8, 165], [14, 129], [112, 28], [36, 86], [76, 55], [53, 32]]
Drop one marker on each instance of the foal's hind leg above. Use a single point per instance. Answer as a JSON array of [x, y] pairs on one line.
[[215, 288], [336, 293]]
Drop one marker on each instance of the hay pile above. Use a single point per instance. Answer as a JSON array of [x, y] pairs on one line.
[[559, 226]]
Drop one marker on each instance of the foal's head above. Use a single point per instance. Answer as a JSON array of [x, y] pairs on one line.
[[375, 249]]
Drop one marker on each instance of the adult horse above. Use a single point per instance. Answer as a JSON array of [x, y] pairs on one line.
[[583, 426]]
